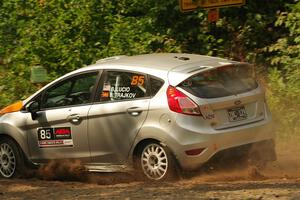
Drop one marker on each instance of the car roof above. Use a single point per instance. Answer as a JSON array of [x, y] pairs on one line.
[[179, 62], [174, 67]]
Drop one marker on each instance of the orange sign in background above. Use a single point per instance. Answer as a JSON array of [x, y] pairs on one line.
[[190, 5], [213, 15], [220, 3]]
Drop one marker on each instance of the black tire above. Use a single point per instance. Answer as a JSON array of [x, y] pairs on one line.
[[11, 159], [155, 162]]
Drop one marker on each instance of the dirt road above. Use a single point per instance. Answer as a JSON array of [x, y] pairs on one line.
[[280, 180], [184, 189]]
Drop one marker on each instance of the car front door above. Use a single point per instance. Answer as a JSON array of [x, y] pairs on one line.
[[60, 128], [114, 120]]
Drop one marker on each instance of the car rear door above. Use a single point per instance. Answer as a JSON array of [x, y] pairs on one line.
[[121, 108]]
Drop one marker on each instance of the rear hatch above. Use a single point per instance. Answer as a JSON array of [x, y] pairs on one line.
[[227, 96]]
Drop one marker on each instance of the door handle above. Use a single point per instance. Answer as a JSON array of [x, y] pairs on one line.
[[75, 118], [135, 111]]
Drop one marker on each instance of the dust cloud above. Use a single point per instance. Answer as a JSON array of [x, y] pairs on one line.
[[63, 170], [74, 170], [287, 166]]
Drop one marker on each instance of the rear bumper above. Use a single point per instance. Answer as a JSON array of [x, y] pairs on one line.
[[213, 143]]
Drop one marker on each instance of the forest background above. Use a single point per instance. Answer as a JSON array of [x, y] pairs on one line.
[[63, 35]]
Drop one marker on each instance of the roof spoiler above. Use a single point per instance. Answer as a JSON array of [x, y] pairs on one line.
[[103, 60]]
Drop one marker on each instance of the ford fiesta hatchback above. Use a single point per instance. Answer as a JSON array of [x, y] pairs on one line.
[[152, 113]]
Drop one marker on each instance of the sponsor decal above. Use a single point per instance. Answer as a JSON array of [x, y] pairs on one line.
[[207, 112], [105, 94], [122, 93], [55, 137]]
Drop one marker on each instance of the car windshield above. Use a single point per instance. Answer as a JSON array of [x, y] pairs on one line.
[[222, 81]]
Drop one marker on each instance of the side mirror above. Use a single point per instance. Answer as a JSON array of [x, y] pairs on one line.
[[33, 107]]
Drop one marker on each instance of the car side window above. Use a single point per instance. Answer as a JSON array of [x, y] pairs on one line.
[[73, 91], [120, 85], [155, 84]]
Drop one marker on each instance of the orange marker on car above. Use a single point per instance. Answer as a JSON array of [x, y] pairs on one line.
[[12, 108]]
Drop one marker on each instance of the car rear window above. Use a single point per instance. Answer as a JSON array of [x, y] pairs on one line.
[[156, 84], [222, 81]]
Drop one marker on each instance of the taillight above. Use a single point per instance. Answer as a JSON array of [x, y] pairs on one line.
[[180, 103]]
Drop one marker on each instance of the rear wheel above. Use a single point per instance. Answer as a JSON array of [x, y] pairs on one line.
[[156, 162], [11, 159]]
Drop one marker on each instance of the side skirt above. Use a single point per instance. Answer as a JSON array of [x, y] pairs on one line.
[[108, 168]]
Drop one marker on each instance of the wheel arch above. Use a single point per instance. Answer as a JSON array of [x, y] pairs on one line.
[[21, 150], [151, 134], [143, 143], [13, 125], [19, 138], [6, 136], [175, 167], [3, 135]]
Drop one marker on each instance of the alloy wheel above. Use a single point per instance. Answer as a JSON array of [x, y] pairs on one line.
[[154, 161], [7, 160]]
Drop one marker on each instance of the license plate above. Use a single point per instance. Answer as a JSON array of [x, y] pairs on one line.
[[237, 114]]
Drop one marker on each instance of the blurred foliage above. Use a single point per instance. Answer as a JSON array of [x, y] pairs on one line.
[[284, 95], [63, 35], [13, 87]]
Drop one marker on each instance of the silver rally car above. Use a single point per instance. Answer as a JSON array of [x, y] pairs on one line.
[[151, 113]]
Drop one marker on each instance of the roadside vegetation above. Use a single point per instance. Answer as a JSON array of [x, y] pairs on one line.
[[63, 35]]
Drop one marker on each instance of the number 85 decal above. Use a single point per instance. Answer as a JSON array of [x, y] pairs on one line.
[[45, 134], [138, 80]]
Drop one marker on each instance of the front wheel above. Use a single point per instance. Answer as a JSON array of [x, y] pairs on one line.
[[156, 162], [11, 159]]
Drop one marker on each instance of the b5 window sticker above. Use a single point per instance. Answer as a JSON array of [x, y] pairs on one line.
[[55, 137], [137, 80]]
